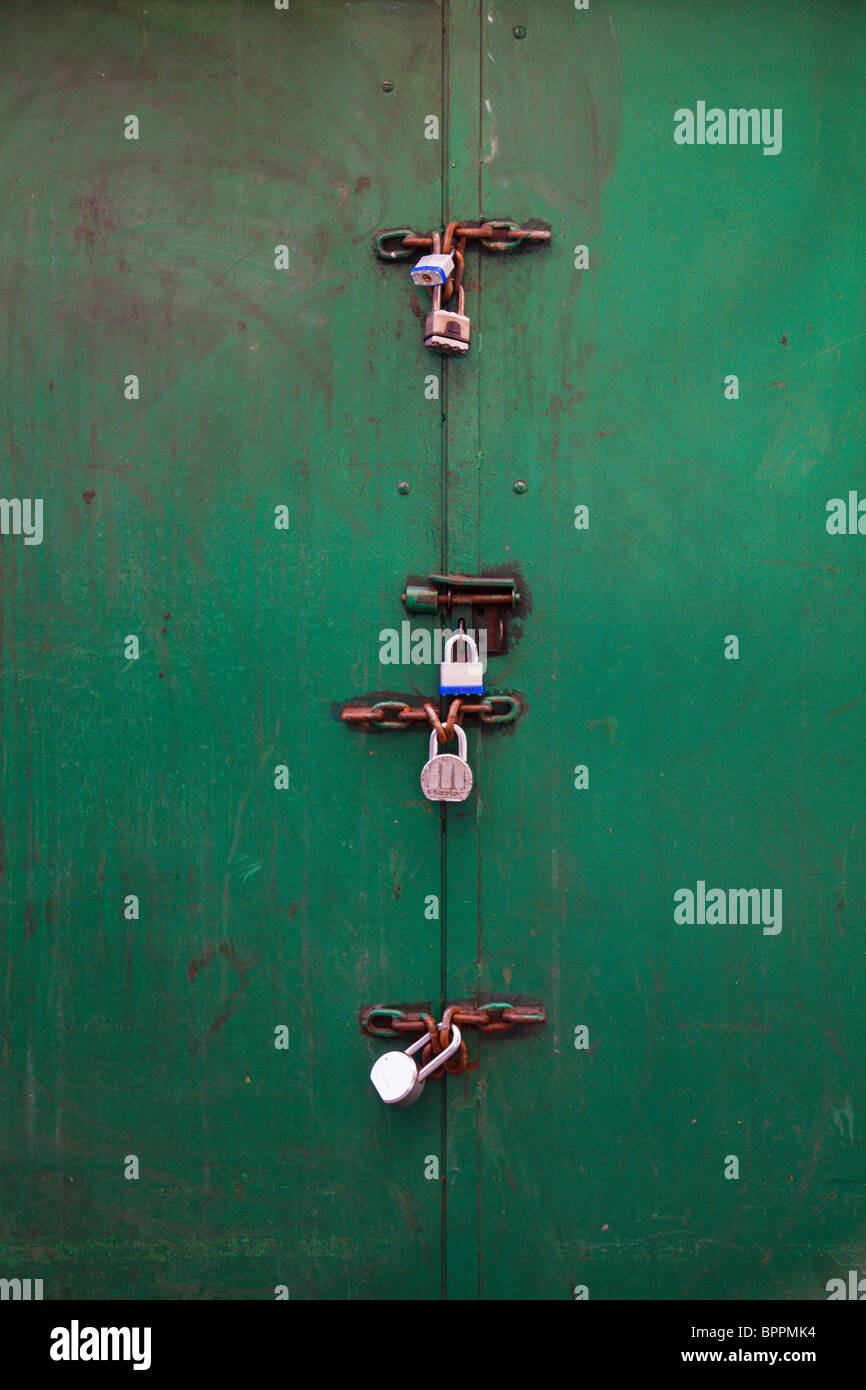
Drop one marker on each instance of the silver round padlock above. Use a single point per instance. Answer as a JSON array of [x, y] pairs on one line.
[[447, 776], [397, 1078]]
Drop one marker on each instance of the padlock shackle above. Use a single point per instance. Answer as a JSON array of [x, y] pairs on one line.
[[461, 743], [442, 1056], [461, 637], [437, 289]]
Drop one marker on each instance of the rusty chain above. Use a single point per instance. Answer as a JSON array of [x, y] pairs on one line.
[[397, 714], [496, 1017], [488, 1018], [492, 235]]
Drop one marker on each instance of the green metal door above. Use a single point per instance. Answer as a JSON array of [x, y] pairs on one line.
[[223, 400]]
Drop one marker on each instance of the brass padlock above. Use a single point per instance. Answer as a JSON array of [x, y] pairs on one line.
[[446, 331]]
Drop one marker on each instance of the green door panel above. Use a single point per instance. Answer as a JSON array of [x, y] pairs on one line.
[[258, 907], [563, 1168], [604, 1167]]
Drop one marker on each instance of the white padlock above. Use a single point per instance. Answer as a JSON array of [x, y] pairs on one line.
[[397, 1078], [461, 677], [432, 270]]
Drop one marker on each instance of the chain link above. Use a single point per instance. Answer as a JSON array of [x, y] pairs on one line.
[[455, 1064], [401, 252]]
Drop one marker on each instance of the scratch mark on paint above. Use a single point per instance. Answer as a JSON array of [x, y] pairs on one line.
[[805, 565], [844, 1112], [834, 347]]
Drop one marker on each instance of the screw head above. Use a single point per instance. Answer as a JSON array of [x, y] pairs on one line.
[[519, 31], [403, 488], [519, 486], [387, 86]]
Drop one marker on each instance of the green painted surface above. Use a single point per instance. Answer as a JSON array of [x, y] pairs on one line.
[[261, 907]]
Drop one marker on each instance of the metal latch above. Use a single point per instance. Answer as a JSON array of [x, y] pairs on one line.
[[490, 598]]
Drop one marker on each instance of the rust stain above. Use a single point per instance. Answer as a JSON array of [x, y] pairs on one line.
[[607, 723], [228, 951], [222, 1017], [94, 217], [842, 709]]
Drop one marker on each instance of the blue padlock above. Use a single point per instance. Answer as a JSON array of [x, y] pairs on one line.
[[461, 677]]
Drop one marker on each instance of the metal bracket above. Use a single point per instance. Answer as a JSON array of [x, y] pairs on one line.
[[490, 599]]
